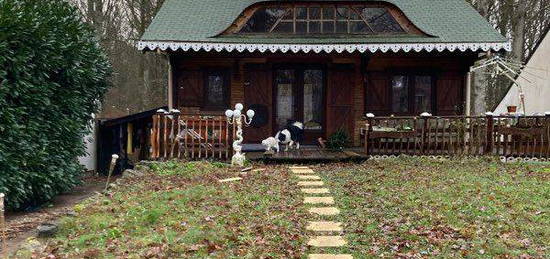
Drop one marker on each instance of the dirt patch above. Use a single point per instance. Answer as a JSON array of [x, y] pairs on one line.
[[22, 225]]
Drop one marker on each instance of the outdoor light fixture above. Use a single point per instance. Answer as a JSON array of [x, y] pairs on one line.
[[236, 117]]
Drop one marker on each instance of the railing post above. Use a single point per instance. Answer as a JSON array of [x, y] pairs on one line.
[[490, 133], [425, 116], [175, 131], [367, 139], [368, 130], [547, 127], [158, 132]]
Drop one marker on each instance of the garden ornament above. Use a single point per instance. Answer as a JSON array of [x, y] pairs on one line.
[[236, 117]]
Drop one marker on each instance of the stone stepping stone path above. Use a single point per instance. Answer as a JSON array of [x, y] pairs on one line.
[[327, 241], [329, 256], [303, 171], [319, 200], [325, 233], [325, 226], [325, 211], [315, 190], [311, 183], [309, 177]]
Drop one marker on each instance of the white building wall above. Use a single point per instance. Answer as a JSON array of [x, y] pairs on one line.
[[90, 160], [537, 93]]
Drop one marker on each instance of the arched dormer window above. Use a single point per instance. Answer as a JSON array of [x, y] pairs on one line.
[[320, 18]]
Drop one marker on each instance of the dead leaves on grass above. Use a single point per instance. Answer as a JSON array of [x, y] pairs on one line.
[[196, 217]]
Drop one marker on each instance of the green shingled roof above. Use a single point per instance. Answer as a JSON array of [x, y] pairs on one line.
[[448, 21]]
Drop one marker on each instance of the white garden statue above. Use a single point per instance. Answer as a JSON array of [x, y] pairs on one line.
[[236, 117]]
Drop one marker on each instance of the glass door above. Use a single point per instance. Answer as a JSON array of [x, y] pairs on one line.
[[286, 97], [300, 96]]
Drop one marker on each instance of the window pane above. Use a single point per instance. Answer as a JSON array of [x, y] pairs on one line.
[[328, 13], [313, 99], [284, 80], [328, 27], [284, 27], [301, 13], [381, 20], [358, 27], [263, 20], [314, 27], [215, 96], [314, 13], [342, 13], [378, 20], [353, 15], [289, 14], [400, 93], [423, 94], [301, 27], [341, 27]]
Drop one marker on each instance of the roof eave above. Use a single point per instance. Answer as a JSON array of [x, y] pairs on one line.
[[318, 48]]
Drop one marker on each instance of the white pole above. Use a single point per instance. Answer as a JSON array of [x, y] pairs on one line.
[[3, 226], [468, 108]]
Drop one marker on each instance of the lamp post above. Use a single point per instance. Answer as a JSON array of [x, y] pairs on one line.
[[236, 117]]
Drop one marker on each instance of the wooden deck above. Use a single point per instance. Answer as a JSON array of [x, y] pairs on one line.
[[309, 155]]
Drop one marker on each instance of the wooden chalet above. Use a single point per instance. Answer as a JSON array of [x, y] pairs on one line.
[[326, 63]]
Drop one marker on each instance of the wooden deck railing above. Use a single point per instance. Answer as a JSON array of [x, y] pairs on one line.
[[510, 136], [190, 136]]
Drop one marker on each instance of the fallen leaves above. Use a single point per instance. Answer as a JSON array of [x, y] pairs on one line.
[[180, 210]]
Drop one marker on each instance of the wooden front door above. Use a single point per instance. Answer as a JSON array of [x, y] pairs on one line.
[[299, 94], [257, 96], [340, 99]]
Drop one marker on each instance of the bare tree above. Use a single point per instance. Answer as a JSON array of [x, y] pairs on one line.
[[118, 24], [523, 22]]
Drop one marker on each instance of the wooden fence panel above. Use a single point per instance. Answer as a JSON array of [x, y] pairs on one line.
[[525, 136], [190, 137]]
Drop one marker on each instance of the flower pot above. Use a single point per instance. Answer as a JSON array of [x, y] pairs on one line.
[[512, 109]]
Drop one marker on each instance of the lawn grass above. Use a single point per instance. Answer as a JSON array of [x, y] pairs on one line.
[[410, 207], [180, 210], [405, 207]]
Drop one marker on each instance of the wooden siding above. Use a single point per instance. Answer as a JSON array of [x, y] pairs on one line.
[[366, 80]]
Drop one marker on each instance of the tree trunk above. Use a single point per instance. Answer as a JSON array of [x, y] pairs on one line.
[[479, 92], [518, 31]]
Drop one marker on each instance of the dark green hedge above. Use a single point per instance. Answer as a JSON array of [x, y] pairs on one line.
[[53, 76]]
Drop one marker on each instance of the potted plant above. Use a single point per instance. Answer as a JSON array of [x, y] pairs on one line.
[[338, 140]]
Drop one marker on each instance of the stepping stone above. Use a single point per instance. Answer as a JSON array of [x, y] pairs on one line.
[[324, 226], [310, 183], [326, 211], [299, 167], [230, 179], [330, 256], [316, 190], [319, 200], [327, 241], [309, 177], [302, 171]]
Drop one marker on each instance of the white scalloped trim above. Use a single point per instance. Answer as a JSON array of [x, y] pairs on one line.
[[318, 48]]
